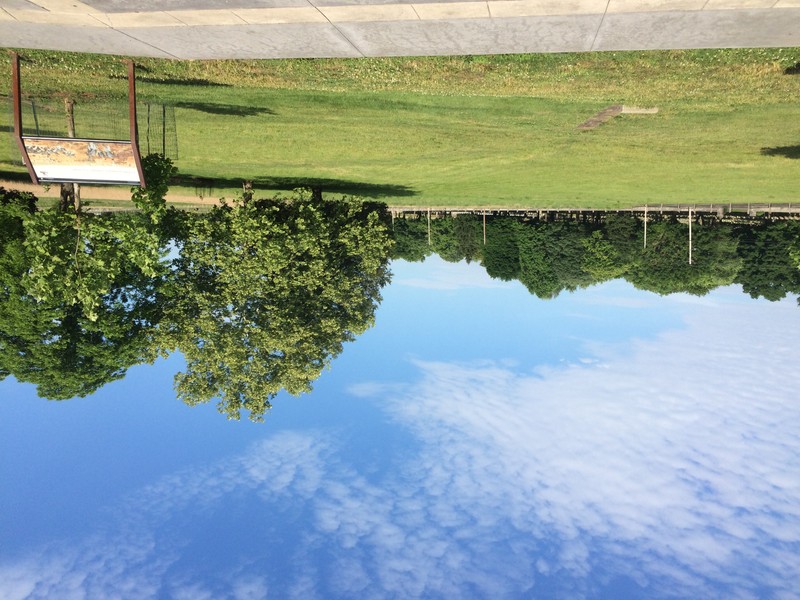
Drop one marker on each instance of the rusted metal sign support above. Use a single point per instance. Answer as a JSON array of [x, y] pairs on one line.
[[134, 121], [53, 172], [16, 92]]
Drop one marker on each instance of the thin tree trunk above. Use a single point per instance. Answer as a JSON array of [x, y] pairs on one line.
[[70, 192], [67, 197], [247, 191]]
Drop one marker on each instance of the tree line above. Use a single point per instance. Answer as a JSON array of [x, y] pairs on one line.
[[550, 257], [260, 295]]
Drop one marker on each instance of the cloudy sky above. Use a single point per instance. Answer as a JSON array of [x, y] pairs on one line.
[[478, 442]]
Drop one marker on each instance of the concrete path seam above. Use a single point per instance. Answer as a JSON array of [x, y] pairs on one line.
[[600, 25], [134, 38], [339, 31]]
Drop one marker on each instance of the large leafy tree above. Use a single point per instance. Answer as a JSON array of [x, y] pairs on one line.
[[14, 208], [552, 258], [71, 322], [457, 239], [79, 294], [601, 260], [663, 267], [625, 233], [468, 232], [265, 293], [151, 200], [768, 268], [411, 239], [65, 354], [79, 259], [501, 253]]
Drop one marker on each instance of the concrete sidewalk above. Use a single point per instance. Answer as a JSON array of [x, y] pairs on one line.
[[206, 29]]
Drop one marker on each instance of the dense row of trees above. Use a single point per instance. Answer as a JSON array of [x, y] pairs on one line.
[[549, 257], [258, 295]]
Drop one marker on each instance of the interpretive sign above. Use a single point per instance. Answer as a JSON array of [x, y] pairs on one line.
[[82, 161], [76, 160]]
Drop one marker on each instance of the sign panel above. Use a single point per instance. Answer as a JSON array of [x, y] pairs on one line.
[[82, 161]]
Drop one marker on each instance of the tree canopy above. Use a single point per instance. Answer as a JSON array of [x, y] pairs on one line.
[[265, 293], [549, 257], [769, 260], [261, 295], [78, 295]]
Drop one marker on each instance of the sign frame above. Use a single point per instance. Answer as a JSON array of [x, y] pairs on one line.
[[114, 162]]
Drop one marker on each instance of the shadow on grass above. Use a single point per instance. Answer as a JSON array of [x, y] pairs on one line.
[[14, 176], [174, 80], [31, 131], [785, 151], [225, 109], [205, 186], [793, 70]]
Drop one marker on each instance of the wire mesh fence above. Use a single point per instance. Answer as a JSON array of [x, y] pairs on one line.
[[157, 131], [94, 119]]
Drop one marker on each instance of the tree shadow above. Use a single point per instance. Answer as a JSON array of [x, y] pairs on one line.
[[205, 186], [225, 109], [193, 81], [30, 131], [785, 151], [14, 176], [793, 70]]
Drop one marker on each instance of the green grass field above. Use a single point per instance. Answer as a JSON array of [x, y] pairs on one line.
[[478, 131]]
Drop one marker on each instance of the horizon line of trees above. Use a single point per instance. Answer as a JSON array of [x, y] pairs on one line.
[[549, 257], [260, 295]]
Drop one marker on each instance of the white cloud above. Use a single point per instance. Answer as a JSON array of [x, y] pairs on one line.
[[678, 454], [250, 587], [671, 461], [131, 556]]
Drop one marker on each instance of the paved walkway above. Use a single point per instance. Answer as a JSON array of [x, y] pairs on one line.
[[190, 29]]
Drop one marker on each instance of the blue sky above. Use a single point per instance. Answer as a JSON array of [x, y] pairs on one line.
[[477, 442]]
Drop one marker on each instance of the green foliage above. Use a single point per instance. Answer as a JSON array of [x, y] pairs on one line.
[[601, 260], [263, 296], [65, 354], [770, 260], [25, 201], [15, 208], [457, 239], [468, 231], [551, 257], [794, 253], [411, 239], [151, 199], [76, 259], [501, 254], [266, 292], [443, 241], [663, 267], [70, 340], [626, 234]]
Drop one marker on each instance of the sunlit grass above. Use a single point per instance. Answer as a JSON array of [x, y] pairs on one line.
[[497, 130]]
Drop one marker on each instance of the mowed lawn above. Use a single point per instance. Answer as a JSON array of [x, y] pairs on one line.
[[498, 131]]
